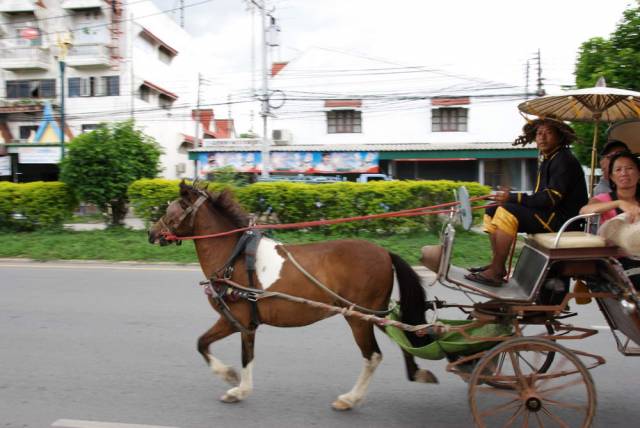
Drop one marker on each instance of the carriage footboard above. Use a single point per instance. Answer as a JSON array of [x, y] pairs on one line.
[[624, 321]]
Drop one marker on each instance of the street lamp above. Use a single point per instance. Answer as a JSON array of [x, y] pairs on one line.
[[64, 44]]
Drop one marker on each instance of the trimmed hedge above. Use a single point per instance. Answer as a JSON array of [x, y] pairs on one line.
[[284, 202], [36, 205]]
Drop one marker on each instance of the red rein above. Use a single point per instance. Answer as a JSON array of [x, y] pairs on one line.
[[404, 213]]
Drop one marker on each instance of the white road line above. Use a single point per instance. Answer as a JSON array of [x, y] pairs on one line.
[[601, 327], [88, 266], [72, 423]]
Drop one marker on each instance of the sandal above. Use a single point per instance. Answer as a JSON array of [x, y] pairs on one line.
[[478, 268], [481, 279]]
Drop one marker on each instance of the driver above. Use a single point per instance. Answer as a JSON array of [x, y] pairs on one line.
[[559, 194]]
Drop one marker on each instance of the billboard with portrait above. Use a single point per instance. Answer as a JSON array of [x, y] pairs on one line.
[[302, 162]]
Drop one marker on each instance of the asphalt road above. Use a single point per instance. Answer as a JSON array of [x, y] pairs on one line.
[[116, 343]]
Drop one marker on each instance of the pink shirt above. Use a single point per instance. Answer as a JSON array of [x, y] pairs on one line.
[[607, 215]]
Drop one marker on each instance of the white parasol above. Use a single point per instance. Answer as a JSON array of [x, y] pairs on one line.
[[597, 104]]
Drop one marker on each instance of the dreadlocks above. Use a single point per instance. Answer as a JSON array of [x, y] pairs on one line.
[[565, 132]]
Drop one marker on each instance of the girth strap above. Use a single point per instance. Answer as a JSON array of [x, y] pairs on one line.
[[247, 244]]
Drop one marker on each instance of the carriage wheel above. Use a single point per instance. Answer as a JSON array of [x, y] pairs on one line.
[[542, 364], [562, 396]]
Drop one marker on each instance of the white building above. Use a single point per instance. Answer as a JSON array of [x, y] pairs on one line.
[[409, 122], [125, 60]]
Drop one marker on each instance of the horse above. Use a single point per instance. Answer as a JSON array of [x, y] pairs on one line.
[[354, 271]]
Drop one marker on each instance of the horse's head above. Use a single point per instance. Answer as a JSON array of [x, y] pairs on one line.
[[179, 218]]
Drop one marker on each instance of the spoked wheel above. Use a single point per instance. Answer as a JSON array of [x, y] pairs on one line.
[[542, 361], [562, 396]]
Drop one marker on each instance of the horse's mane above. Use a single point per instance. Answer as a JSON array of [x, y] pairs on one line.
[[226, 203]]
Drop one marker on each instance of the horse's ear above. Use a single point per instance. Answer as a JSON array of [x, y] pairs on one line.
[[184, 187]]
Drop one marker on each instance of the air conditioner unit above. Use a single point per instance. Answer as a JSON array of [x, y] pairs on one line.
[[281, 137], [181, 168]]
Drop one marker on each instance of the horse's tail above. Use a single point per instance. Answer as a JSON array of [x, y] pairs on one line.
[[412, 298]]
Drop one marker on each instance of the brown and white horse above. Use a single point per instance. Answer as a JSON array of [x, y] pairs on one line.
[[356, 270]]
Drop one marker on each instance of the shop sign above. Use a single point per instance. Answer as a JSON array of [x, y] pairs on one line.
[[40, 155], [5, 165]]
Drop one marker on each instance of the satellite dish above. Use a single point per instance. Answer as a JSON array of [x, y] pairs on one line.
[[464, 207]]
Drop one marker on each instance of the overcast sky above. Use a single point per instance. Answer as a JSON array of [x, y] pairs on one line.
[[490, 39]]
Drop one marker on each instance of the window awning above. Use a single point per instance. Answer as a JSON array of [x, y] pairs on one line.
[[160, 90], [157, 40], [343, 103], [449, 101], [82, 4], [13, 6]]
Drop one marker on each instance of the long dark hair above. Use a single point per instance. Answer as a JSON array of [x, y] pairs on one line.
[[636, 162], [566, 134]]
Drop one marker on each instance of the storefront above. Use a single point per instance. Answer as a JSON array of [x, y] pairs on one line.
[[494, 165]]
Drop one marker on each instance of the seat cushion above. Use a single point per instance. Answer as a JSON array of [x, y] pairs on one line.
[[569, 240]]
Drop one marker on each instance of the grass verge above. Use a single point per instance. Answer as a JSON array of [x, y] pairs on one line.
[[121, 244]]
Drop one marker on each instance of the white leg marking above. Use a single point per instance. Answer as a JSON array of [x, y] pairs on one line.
[[243, 390], [225, 372], [268, 262], [359, 390]]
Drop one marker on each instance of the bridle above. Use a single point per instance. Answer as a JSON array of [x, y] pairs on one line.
[[190, 211]]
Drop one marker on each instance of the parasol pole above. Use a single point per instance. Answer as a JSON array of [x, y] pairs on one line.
[[593, 155]]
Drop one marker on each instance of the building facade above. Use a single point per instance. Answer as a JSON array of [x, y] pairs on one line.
[[366, 115], [122, 61]]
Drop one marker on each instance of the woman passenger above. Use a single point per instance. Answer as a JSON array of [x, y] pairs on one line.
[[624, 197]]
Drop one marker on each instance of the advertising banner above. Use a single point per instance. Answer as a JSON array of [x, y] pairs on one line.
[[292, 162]]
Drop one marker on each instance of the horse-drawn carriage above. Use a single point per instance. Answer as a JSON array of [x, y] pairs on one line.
[[507, 349]]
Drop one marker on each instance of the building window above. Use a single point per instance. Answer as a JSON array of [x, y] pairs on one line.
[[113, 85], [45, 88], [449, 119], [26, 131], [74, 87], [88, 127], [94, 86], [145, 93], [344, 121], [165, 55], [165, 102]]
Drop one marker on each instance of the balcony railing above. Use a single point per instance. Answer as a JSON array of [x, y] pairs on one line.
[[24, 58], [88, 55]]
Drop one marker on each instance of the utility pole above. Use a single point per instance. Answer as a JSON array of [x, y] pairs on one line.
[[266, 160], [196, 139], [526, 84], [132, 80], [540, 90], [181, 13]]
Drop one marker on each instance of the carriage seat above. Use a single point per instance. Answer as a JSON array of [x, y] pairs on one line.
[[568, 240]]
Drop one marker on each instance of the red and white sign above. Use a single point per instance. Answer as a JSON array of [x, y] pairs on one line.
[[29, 33]]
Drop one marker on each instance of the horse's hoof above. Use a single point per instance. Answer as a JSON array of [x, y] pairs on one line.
[[425, 376], [341, 405], [231, 377], [228, 398]]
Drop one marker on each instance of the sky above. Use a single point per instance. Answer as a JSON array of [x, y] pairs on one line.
[[490, 39]]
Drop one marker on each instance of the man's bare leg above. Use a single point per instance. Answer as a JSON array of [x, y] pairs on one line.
[[501, 244]]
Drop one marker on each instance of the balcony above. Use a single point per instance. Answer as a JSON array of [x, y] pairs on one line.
[[88, 55], [24, 58], [13, 6], [82, 4]]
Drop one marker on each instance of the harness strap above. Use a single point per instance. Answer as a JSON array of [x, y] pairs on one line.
[[224, 308], [328, 290], [248, 243]]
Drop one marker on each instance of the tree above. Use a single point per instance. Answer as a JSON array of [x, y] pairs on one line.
[[617, 59], [100, 165]]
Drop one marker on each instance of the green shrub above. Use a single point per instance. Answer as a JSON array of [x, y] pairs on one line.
[[37, 205], [283, 202]]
